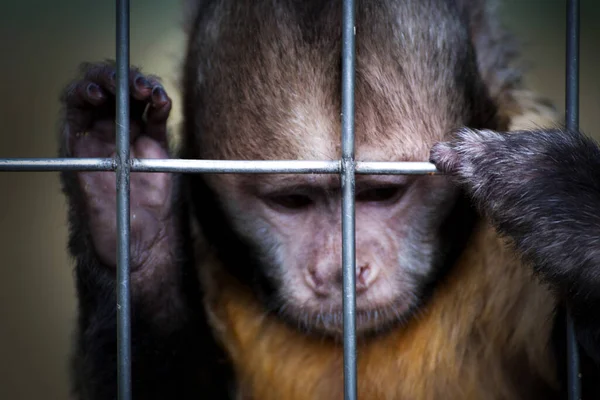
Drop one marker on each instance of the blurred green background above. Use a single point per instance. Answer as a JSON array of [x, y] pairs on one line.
[[41, 44]]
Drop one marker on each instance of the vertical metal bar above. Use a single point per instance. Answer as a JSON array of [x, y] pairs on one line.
[[572, 123], [348, 205], [123, 172]]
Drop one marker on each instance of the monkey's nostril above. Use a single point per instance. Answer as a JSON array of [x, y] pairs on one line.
[[159, 95], [316, 282], [317, 279], [365, 276], [363, 272], [142, 83]]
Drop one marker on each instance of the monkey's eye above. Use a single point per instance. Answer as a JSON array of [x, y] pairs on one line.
[[380, 194], [291, 201]]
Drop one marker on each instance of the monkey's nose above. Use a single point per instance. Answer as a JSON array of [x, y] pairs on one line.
[[366, 274], [324, 283]]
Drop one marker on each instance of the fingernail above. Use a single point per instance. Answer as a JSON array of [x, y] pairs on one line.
[[93, 91], [141, 82], [159, 95]]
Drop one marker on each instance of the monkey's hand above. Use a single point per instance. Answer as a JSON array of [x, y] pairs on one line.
[[541, 189], [89, 131], [164, 330]]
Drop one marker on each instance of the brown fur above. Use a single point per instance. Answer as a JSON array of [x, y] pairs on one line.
[[485, 334], [280, 90]]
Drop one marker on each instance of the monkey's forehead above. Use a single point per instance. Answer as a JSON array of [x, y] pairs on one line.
[[266, 79]]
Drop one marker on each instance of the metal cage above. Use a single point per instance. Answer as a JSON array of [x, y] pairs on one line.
[[346, 167]]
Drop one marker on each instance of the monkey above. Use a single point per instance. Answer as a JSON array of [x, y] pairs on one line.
[[236, 278]]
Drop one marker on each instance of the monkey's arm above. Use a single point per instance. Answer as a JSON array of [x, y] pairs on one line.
[[541, 189], [169, 339]]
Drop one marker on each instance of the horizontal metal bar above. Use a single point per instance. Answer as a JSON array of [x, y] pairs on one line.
[[280, 167], [57, 164], [395, 168], [236, 166], [217, 166]]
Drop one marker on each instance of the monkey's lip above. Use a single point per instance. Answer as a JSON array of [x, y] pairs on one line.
[[369, 321]]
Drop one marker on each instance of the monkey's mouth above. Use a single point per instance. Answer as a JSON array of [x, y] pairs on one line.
[[330, 322]]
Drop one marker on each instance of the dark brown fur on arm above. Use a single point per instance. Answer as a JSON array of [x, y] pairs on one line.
[[541, 189], [170, 340]]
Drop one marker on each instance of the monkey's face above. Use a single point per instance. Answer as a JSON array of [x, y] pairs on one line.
[[293, 224], [268, 88]]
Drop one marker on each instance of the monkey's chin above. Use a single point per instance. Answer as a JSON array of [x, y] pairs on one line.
[[369, 322]]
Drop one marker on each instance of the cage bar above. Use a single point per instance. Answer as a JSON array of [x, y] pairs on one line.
[[348, 205], [572, 123], [123, 227], [395, 168], [57, 164], [237, 166], [218, 166]]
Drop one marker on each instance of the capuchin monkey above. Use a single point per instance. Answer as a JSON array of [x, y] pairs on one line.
[[461, 279]]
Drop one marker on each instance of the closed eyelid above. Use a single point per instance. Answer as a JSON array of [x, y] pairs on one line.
[[305, 190], [316, 186], [380, 182]]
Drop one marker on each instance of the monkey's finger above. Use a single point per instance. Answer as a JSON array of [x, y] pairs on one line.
[[105, 75], [98, 85], [84, 93], [445, 157], [102, 74], [140, 86], [157, 114]]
